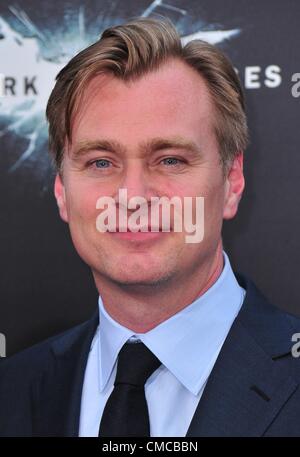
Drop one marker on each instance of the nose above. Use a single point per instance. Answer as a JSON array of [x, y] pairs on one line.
[[137, 181]]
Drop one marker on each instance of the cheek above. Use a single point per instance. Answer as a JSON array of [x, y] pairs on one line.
[[81, 204], [214, 204], [211, 187]]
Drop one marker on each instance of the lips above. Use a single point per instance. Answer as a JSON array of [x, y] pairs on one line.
[[141, 229]]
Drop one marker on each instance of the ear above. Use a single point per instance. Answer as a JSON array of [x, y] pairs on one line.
[[234, 186], [59, 192]]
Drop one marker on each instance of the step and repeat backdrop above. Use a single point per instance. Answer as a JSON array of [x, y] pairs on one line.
[[45, 287]]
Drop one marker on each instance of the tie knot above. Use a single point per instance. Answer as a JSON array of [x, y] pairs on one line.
[[136, 363]]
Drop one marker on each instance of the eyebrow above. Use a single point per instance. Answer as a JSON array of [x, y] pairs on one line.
[[153, 145]]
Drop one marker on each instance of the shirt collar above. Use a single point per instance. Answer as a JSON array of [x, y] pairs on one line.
[[187, 343]]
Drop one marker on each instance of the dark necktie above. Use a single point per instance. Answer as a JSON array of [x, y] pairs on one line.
[[126, 410]]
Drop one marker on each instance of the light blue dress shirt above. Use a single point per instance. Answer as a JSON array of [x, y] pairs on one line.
[[187, 344]]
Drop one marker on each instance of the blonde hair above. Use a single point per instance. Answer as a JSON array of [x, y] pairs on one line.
[[129, 51]]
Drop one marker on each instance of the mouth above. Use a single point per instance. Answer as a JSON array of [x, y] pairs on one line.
[[143, 229], [145, 235]]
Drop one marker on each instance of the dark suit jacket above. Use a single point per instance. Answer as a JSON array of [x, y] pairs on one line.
[[253, 389]]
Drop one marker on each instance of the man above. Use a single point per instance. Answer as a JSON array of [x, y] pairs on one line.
[[180, 346]]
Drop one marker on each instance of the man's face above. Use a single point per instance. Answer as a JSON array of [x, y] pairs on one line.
[[168, 111]]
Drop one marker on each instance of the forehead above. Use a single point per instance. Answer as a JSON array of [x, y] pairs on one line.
[[171, 98]]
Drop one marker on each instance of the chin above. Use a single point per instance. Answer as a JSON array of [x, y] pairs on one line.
[[138, 276]]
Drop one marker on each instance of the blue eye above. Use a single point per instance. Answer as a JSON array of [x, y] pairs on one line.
[[171, 161], [102, 163]]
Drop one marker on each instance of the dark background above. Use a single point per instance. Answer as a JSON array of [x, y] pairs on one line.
[[45, 287]]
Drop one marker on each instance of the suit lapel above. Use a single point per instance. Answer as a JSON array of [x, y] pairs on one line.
[[247, 387], [244, 393], [57, 392]]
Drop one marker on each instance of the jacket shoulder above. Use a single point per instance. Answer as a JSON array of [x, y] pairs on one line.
[[34, 359], [271, 326]]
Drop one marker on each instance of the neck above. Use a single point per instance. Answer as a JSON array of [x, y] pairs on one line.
[[141, 311]]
